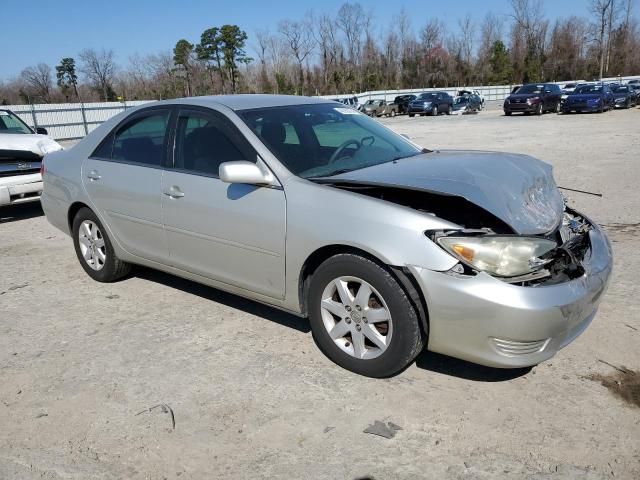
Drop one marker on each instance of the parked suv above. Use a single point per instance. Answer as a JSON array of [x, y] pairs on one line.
[[21, 152], [431, 103], [535, 98]]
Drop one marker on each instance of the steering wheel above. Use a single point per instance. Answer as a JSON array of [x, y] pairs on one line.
[[342, 147]]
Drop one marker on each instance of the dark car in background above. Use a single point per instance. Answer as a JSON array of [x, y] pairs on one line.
[[589, 98], [624, 96], [402, 101], [535, 98], [431, 103]]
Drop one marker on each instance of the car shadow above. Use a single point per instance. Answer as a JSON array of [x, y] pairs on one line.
[[21, 211], [228, 299], [430, 361], [454, 367]]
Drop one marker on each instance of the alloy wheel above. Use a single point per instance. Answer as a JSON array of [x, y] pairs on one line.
[[356, 317], [92, 245]]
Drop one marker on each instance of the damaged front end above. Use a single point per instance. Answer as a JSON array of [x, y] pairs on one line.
[[522, 260], [525, 259]]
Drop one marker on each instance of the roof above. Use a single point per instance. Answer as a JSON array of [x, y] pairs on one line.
[[249, 101]]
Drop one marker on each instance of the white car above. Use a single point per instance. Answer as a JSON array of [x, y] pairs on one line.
[[21, 152]]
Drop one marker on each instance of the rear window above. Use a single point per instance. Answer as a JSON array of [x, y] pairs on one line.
[[140, 140]]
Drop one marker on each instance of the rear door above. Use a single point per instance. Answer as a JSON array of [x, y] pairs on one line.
[[123, 178], [233, 233]]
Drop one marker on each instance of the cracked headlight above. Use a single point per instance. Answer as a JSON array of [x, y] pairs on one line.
[[500, 256]]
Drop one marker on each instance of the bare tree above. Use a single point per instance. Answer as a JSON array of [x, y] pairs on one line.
[[601, 8], [37, 82], [299, 37], [99, 67], [528, 36]]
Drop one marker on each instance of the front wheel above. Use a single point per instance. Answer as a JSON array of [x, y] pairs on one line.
[[411, 115], [539, 109], [361, 318], [94, 249], [434, 111]]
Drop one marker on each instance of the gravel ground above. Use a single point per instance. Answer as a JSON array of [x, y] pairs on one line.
[[251, 395]]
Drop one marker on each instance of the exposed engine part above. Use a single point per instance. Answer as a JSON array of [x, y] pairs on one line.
[[449, 207]]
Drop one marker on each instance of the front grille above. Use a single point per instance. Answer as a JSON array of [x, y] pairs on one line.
[[16, 172], [514, 348]]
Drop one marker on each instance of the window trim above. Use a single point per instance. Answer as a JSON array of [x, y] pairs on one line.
[[228, 126], [149, 111]]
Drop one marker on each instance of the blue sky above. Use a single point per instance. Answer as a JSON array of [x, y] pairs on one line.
[[46, 30]]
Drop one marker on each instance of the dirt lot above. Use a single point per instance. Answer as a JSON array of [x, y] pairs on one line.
[[254, 398]]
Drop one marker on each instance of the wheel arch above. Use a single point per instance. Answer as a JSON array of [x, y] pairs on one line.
[[404, 277], [74, 208]]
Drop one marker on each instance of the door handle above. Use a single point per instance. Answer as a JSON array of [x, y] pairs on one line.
[[174, 192], [93, 175]]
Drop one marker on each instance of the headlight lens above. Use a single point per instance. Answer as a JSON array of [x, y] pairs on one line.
[[501, 256]]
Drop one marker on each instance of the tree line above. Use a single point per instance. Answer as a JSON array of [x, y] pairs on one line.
[[352, 51]]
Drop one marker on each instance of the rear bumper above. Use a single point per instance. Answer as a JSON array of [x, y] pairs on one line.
[[493, 323], [20, 189]]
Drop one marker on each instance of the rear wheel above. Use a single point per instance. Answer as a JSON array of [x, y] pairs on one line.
[[361, 318], [94, 249], [434, 111], [448, 110]]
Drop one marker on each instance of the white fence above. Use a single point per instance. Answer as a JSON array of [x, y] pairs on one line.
[[70, 121]]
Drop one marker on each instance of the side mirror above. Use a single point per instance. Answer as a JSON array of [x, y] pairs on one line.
[[244, 172], [42, 131]]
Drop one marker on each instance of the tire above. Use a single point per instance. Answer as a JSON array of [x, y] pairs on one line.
[[448, 111], [103, 266], [508, 114], [539, 109], [404, 334], [411, 115], [393, 113], [434, 111], [558, 108]]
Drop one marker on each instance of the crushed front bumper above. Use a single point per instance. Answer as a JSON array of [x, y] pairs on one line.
[[487, 321], [20, 189]]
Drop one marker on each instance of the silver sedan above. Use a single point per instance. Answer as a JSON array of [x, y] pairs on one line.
[[316, 209]]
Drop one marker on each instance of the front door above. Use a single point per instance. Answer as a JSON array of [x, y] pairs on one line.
[[123, 179], [232, 233]]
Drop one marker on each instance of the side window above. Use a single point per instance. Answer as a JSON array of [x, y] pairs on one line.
[[141, 140], [104, 149], [205, 140]]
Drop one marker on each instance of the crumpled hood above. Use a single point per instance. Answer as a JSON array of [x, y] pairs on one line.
[[28, 142], [518, 189]]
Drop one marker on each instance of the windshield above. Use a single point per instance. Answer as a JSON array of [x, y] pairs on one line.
[[427, 96], [531, 89], [320, 140], [588, 89], [10, 123]]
